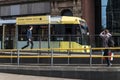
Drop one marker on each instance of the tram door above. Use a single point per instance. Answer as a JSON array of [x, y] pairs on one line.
[[9, 36]]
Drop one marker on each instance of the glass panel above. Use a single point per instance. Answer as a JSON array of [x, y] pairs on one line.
[[104, 5]]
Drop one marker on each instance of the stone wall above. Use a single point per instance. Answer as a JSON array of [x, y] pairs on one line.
[[73, 5]]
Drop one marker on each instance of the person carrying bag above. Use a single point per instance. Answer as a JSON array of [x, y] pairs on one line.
[[106, 36]]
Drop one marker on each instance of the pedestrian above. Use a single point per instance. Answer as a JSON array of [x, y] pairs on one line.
[[29, 37], [105, 35]]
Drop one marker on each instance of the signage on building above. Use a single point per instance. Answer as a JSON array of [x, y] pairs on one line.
[[32, 20]]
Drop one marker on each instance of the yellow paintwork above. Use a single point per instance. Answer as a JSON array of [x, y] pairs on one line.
[[32, 20], [37, 20], [74, 47], [71, 20]]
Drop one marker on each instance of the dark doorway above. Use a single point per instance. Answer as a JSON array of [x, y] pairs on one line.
[[66, 12]]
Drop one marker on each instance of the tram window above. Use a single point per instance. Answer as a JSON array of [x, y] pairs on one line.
[[22, 33], [36, 33], [83, 30], [44, 32], [39, 32], [68, 30]]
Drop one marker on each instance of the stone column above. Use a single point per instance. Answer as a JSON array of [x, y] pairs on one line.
[[88, 13]]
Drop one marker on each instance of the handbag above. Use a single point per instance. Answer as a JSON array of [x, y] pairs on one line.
[[111, 54]]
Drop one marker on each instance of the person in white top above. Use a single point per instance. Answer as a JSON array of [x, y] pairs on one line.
[[105, 35]]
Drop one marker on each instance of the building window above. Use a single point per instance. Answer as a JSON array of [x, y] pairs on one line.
[[104, 5]]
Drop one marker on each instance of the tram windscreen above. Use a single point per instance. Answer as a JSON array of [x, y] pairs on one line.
[[69, 32], [84, 33]]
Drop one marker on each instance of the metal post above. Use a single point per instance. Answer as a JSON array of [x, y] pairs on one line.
[[68, 57], [102, 57], [16, 37], [90, 57], [18, 57], [69, 50], [38, 57], [16, 44], [49, 32], [3, 37], [11, 56], [52, 57]]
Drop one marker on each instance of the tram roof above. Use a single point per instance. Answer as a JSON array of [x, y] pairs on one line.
[[53, 20], [66, 20], [33, 20]]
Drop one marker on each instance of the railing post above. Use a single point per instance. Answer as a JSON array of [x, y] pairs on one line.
[[102, 56], [11, 56], [18, 57], [68, 55], [38, 57], [51, 57], [90, 57]]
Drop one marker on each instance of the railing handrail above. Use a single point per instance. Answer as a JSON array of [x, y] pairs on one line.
[[98, 48]]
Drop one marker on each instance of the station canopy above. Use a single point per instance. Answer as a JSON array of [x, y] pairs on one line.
[[7, 22]]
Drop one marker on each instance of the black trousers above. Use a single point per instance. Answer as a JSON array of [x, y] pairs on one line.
[[106, 53], [28, 42]]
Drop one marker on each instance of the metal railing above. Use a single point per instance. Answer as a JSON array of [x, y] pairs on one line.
[[45, 53]]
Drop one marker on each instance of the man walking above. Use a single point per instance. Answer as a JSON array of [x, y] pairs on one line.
[[29, 37]]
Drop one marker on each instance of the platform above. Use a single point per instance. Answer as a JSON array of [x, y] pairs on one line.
[[84, 72], [74, 66]]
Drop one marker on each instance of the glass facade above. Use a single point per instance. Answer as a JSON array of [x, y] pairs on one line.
[[113, 19], [109, 12], [113, 16]]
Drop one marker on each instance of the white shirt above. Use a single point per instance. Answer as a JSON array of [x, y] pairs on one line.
[[105, 38]]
